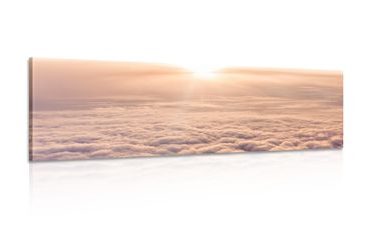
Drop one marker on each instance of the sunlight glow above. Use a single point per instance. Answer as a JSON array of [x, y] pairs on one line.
[[203, 72]]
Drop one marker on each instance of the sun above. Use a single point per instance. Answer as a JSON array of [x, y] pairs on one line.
[[203, 73]]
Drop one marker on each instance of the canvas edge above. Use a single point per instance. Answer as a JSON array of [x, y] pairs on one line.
[[30, 107]]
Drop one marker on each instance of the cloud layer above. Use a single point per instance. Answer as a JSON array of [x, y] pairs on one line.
[[213, 125]]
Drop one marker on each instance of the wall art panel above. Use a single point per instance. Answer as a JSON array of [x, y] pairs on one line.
[[106, 109]]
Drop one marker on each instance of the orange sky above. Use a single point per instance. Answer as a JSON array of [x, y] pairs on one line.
[[74, 79]]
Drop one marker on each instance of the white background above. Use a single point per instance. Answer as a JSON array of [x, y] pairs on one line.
[[299, 190]]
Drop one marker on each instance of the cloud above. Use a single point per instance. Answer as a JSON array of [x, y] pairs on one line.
[[173, 128]]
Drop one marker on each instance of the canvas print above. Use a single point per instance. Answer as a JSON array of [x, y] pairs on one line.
[[83, 109]]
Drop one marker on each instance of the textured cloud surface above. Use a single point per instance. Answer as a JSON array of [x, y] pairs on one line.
[[178, 128], [236, 113]]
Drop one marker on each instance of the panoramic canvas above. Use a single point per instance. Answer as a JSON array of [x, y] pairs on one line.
[[102, 109]]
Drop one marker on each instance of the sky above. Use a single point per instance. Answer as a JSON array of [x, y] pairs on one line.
[[102, 109]]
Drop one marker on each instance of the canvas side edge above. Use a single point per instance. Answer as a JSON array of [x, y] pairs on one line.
[[30, 108]]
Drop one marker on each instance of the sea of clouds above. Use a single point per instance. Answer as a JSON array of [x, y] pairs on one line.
[[182, 127]]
